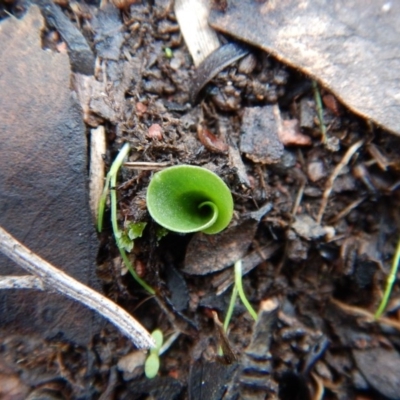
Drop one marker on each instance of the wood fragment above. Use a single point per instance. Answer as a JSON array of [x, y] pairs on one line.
[[329, 184], [346, 210], [200, 38], [21, 282], [56, 280], [96, 171], [146, 166], [227, 350]]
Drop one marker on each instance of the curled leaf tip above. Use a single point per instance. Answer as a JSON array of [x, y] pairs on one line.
[[186, 198]]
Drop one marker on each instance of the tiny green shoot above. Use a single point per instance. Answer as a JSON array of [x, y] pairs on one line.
[[123, 239], [320, 111], [237, 289], [152, 363], [389, 283], [186, 199], [239, 286], [132, 231], [168, 52]]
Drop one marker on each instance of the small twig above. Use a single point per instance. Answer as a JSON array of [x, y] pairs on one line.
[[147, 166], [329, 184], [346, 210], [320, 111], [319, 387], [21, 282], [366, 315], [57, 280]]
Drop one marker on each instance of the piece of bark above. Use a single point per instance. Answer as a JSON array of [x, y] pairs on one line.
[[200, 38], [108, 29], [256, 366], [259, 138], [350, 47], [97, 167], [80, 54], [43, 183]]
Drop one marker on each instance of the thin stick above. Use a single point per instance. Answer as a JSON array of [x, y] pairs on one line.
[[54, 279], [329, 184], [144, 165], [389, 283], [366, 315], [346, 210], [21, 282], [320, 111]]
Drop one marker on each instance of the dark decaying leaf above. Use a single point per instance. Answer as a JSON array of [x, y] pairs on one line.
[[157, 388], [80, 54], [350, 47], [43, 192], [208, 380], [179, 294], [206, 254], [380, 368], [214, 63]]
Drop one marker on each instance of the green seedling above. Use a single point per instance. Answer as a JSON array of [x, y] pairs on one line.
[[187, 198], [124, 239], [168, 52], [237, 290], [389, 283], [239, 287], [132, 231], [152, 363]]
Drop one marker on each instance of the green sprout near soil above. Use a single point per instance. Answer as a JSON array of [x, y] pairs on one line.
[[186, 199], [152, 363], [124, 239], [237, 290], [168, 52], [389, 283]]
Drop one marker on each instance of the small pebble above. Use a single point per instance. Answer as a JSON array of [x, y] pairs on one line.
[[155, 132], [316, 170]]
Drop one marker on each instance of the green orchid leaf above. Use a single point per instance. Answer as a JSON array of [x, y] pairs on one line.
[[135, 229], [187, 198], [124, 241]]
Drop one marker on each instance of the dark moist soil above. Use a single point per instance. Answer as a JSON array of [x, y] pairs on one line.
[[318, 284]]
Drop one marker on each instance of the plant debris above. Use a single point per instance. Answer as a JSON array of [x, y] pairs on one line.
[[315, 222]]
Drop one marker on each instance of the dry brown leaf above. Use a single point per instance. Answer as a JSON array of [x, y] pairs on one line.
[[350, 47]]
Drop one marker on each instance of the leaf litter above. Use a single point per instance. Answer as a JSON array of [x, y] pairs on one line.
[[328, 239]]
